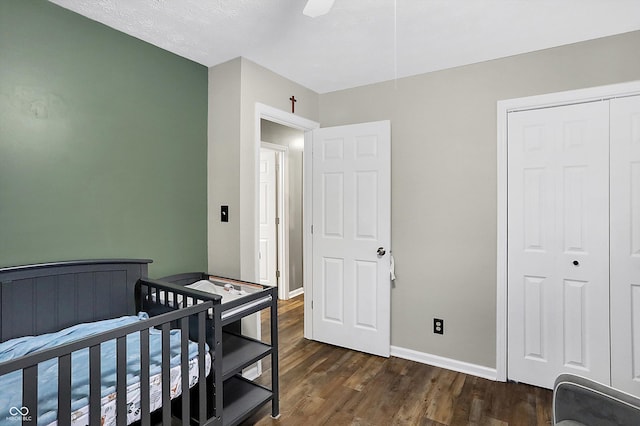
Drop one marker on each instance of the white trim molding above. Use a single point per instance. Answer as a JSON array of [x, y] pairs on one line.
[[297, 292], [281, 117], [442, 362], [503, 109], [253, 372]]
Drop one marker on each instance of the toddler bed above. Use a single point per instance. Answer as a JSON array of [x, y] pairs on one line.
[[73, 336]]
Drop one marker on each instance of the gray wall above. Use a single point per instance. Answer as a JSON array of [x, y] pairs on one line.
[[223, 171], [234, 89], [293, 139], [444, 178], [102, 144]]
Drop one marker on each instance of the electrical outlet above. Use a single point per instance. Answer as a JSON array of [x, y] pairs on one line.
[[438, 326]]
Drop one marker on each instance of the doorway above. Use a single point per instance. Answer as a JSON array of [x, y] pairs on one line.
[[284, 147], [266, 112], [282, 262]]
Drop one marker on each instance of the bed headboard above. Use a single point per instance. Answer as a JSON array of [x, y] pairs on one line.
[[47, 297]]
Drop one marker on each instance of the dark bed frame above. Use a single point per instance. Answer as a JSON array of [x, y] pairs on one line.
[[44, 298]]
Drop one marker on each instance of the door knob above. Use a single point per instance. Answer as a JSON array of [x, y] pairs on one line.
[[576, 263], [381, 251]]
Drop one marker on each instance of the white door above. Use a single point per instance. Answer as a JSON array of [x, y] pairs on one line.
[[351, 222], [625, 244], [558, 243], [268, 260]]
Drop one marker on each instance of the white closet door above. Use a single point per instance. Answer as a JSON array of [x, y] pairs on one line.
[[558, 243], [625, 244]]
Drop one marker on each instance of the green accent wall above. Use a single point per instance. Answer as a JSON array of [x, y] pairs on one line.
[[103, 144]]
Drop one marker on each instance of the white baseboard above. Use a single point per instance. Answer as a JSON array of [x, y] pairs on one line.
[[253, 372], [296, 292], [442, 362]]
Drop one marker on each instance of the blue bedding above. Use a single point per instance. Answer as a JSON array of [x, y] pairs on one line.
[[11, 384]]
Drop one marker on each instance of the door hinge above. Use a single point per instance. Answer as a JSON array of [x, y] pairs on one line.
[[312, 304], [312, 229], [277, 274], [277, 221]]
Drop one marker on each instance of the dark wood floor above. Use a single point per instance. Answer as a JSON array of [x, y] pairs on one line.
[[325, 385]]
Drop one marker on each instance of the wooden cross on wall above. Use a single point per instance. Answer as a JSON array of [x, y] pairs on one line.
[[293, 104]]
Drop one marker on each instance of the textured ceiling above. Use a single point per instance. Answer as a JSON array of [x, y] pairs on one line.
[[360, 41]]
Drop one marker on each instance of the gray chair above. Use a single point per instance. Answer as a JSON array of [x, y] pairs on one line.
[[578, 401]]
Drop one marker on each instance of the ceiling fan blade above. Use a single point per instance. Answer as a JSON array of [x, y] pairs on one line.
[[315, 8]]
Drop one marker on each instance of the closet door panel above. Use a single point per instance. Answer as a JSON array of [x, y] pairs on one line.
[[558, 243], [625, 243]]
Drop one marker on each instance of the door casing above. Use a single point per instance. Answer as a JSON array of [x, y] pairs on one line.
[[270, 113]]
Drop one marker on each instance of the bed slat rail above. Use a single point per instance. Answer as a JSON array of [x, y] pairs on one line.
[[30, 381], [202, 384], [64, 389], [150, 291], [145, 386], [154, 295], [121, 381], [28, 364], [95, 380], [184, 374], [166, 376], [157, 297]]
